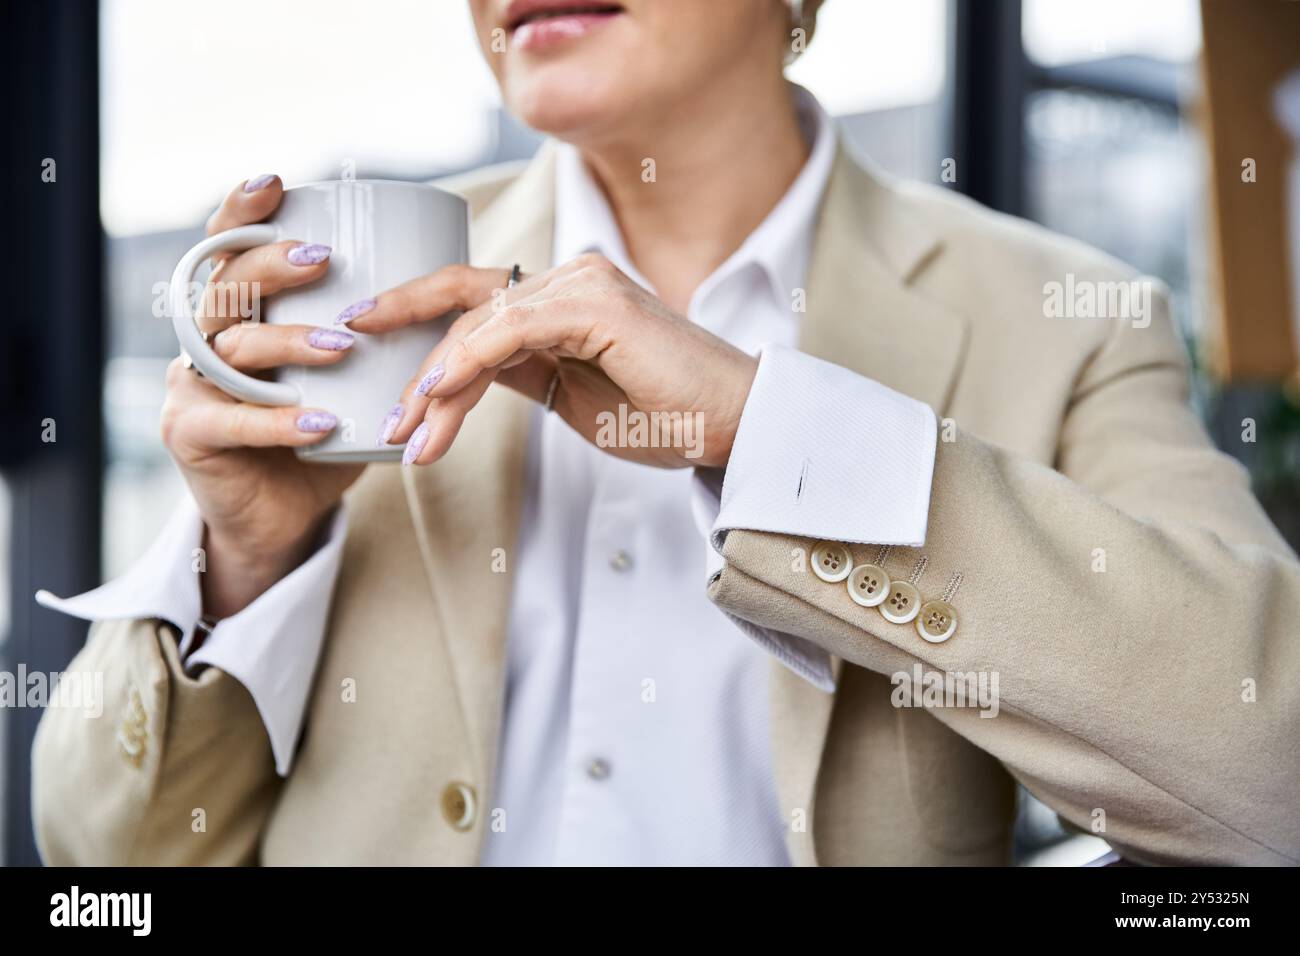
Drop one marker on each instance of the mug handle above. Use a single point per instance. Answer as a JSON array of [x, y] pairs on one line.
[[231, 381]]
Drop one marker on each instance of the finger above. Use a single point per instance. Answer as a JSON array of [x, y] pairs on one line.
[[184, 387], [198, 416], [414, 400], [429, 297], [532, 377], [257, 347], [220, 425], [563, 324], [251, 201], [442, 423], [406, 414], [239, 282]]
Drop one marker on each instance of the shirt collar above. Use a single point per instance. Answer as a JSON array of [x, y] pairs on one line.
[[780, 245]]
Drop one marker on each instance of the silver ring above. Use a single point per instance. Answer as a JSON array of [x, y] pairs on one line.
[[514, 277], [188, 362], [550, 392]]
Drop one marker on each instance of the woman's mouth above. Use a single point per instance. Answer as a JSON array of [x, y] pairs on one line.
[[538, 24]]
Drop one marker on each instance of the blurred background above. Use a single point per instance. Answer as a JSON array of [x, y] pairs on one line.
[[1108, 120]]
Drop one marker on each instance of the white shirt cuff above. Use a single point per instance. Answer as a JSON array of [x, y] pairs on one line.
[[271, 647], [825, 453], [821, 452]]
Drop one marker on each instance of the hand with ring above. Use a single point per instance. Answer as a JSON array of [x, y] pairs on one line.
[[582, 338]]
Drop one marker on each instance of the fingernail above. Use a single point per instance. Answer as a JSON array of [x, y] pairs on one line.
[[309, 254], [261, 182], [431, 378], [415, 444], [352, 311], [331, 339], [390, 424], [317, 422]]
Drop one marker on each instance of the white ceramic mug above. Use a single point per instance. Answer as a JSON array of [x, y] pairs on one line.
[[381, 234]]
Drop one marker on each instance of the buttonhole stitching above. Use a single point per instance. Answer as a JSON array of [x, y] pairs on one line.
[[803, 480]]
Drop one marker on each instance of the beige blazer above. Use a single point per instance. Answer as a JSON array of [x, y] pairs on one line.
[[1154, 702]]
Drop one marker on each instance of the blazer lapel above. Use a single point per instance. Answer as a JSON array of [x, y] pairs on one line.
[[466, 507], [865, 315]]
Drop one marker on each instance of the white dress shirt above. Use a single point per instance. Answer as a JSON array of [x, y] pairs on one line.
[[636, 725]]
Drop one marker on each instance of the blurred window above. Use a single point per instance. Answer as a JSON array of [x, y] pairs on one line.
[[875, 54], [1106, 160], [1057, 32], [194, 99]]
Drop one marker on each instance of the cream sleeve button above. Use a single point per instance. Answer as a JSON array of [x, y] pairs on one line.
[[831, 562], [458, 805], [902, 604], [868, 584], [937, 621]]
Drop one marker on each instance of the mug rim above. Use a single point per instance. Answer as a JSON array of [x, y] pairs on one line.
[[370, 182]]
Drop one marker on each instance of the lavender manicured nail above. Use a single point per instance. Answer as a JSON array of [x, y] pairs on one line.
[[390, 424], [352, 311], [415, 444], [431, 378], [331, 339], [317, 422], [261, 182], [308, 254]]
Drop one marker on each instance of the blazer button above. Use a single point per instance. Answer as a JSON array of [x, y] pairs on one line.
[[134, 729], [831, 562], [868, 585], [458, 805], [903, 603], [937, 621]]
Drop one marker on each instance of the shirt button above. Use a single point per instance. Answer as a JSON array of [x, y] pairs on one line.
[[831, 562], [620, 561], [937, 621], [903, 603], [868, 585], [458, 805], [598, 769]]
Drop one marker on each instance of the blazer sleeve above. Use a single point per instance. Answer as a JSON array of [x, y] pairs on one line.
[[1139, 611], [172, 770]]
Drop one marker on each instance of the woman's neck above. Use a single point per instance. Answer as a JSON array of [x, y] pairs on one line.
[[696, 183]]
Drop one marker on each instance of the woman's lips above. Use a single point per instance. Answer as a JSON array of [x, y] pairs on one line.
[[546, 32]]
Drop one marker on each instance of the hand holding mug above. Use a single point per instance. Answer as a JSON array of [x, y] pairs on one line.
[[251, 446], [261, 504], [603, 350]]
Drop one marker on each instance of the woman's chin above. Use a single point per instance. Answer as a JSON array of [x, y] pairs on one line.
[[570, 119]]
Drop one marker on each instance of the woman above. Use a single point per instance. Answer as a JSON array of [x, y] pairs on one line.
[[504, 653]]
